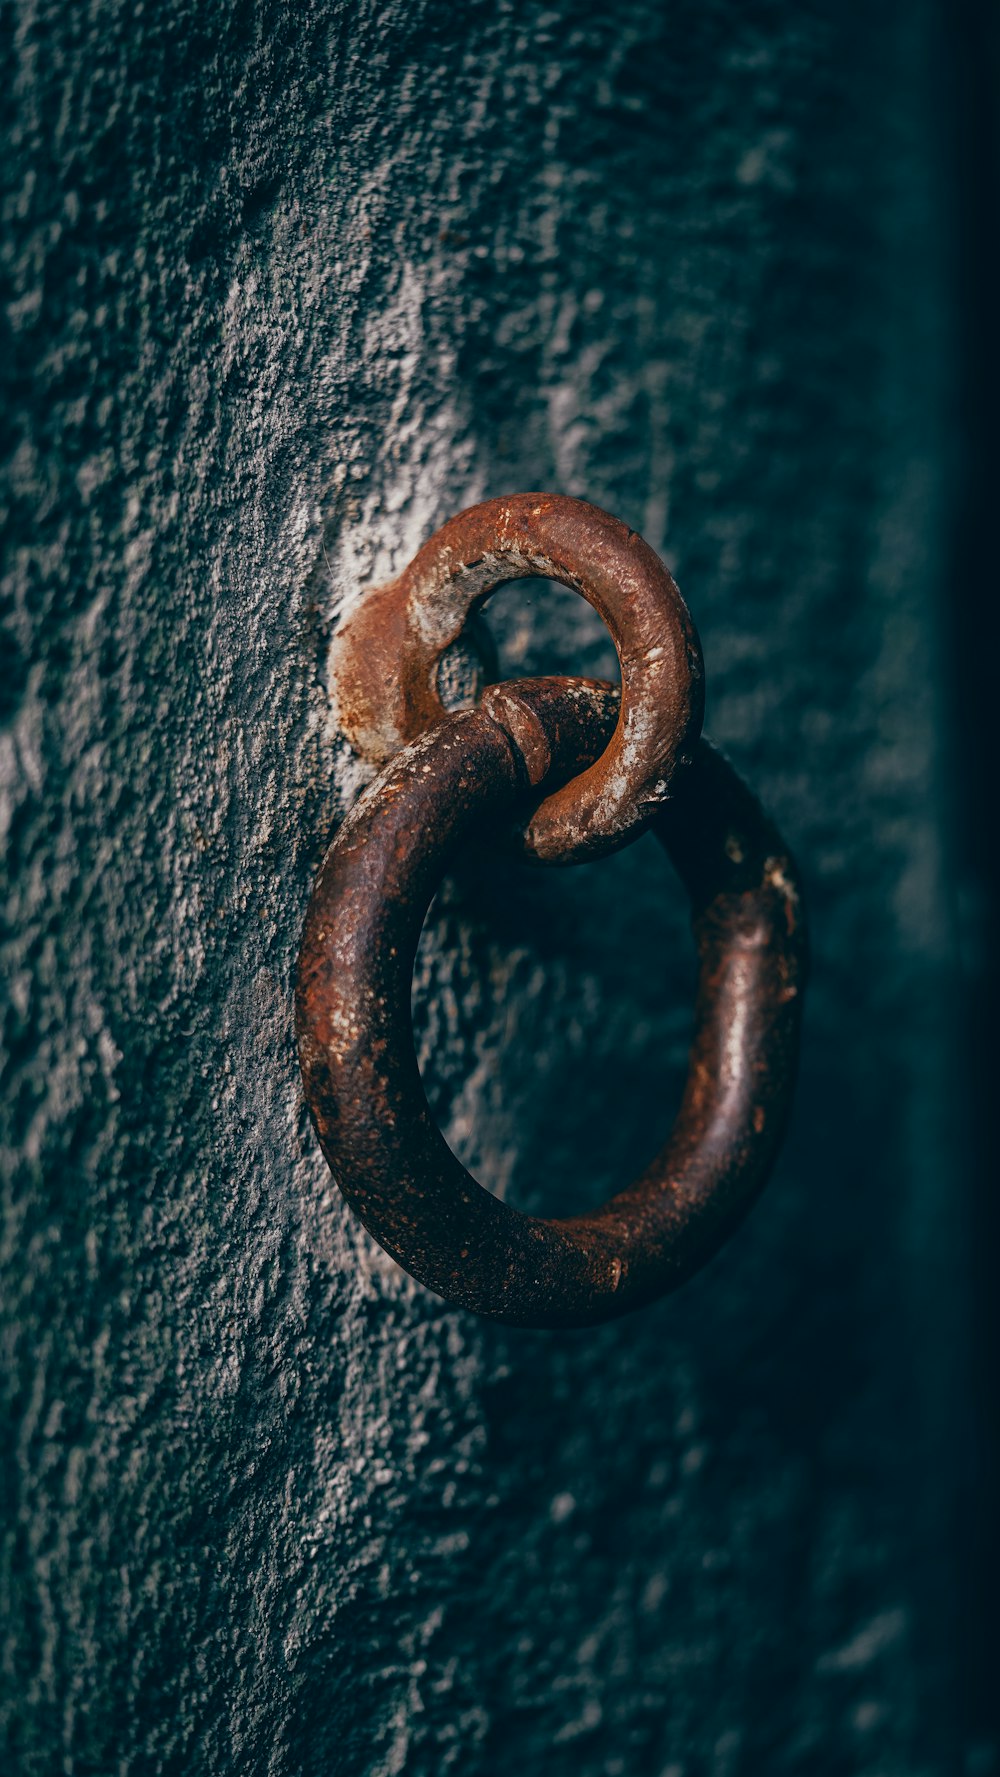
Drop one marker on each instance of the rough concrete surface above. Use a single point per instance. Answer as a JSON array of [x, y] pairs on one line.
[[284, 287]]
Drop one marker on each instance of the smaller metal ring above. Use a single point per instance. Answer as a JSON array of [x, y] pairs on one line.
[[355, 1035], [386, 654]]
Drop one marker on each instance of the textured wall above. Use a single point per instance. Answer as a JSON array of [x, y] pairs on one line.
[[287, 285]]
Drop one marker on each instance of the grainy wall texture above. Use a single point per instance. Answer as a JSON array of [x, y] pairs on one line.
[[285, 286]]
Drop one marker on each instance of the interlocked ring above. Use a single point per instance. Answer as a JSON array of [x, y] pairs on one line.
[[386, 655], [355, 1035]]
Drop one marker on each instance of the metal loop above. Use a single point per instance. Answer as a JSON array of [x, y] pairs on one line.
[[355, 1036], [386, 655]]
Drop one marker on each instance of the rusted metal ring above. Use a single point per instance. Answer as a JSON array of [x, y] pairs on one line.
[[355, 1036], [386, 656]]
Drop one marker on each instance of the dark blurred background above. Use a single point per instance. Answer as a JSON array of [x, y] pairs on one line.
[[972, 131]]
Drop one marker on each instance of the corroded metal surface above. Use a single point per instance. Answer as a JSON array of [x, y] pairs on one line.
[[387, 654], [355, 1042]]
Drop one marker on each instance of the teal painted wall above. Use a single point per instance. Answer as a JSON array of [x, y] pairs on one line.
[[287, 286]]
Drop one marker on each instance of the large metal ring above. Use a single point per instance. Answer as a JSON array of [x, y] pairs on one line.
[[355, 1036], [386, 655]]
